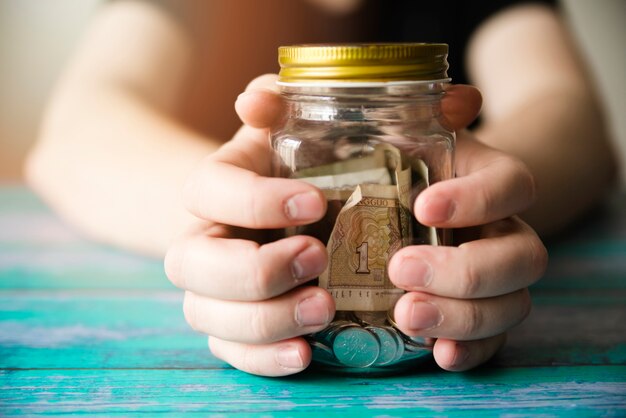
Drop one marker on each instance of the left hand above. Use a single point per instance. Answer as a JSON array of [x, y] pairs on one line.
[[469, 295]]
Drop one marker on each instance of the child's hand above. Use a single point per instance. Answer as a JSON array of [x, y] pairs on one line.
[[469, 295], [241, 285]]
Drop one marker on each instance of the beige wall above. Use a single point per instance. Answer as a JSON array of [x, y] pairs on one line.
[[37, 36], [599, 27]]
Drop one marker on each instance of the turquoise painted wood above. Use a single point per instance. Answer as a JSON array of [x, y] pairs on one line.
[[86, 329], [566, 391]]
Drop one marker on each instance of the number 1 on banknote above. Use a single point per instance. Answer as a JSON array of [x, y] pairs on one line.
[[361, 250]]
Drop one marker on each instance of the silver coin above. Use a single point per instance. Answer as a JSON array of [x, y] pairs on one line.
[[356, 347], [336, 327], [417, 353], [417, 343], [400, 341], [390, 349], [370, 318], [322, 353], [327, 335]]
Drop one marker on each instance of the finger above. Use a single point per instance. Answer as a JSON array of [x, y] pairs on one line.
[[250, 200], [278, 359], [422, 314], [301, 311], [260, 105], [236, 269], [469, 271], [260, 108], [461, 105], [490, 185], [459, 356], [264, 81]]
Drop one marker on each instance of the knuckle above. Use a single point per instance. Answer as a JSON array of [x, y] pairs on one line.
[[472, 322], [470, 283], [484, 202], [260, 282], [249, 360], [251, 209], [529, 183], [526, 181], [260, 327]]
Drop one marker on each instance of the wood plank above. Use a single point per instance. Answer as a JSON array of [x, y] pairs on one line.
[[97, 328], [137, 328], [82, 266], [553, 391], [39, 251]]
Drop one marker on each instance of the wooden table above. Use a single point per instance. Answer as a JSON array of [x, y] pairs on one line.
[[87, 329]]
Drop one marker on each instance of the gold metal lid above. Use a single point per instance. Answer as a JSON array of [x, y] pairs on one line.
[[363, 62]]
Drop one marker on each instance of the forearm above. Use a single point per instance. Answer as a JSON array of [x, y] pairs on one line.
[[114, 167], [112, 156], [562, 138], [540, 106]]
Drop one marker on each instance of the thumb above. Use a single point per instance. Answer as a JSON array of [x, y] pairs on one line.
[[461, 105]]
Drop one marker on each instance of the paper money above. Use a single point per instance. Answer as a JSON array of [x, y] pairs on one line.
[[371, 169], [369, 218], [366, 234]]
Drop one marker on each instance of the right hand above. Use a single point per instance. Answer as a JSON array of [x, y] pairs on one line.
[[243, 289]]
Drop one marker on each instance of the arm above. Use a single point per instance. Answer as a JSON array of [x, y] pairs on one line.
[[539, 105], [111, 132]]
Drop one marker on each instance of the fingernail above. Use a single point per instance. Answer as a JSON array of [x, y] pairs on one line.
[[289, 357], [424, 316], [437, 210], [304, 207], [312, 312], [414, 273], [308, 263]]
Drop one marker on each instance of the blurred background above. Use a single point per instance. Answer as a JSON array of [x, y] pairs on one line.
[[36, 37]]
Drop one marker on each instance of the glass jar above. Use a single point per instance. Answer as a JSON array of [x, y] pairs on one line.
[[363, 123]]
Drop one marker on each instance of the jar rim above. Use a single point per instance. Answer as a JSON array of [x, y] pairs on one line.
[[359, 83], [363, 62]]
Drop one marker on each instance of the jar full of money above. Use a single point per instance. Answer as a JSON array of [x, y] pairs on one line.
[[363, 123]]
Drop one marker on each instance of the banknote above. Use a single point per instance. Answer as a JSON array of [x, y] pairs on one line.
[[366, 233], [369, 218]]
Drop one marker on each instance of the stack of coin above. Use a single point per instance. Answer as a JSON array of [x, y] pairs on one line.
[[367, 340]]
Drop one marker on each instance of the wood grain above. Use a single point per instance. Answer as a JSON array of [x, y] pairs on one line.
[[86, 329]]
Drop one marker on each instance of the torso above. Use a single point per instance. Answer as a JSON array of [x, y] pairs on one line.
[[229, 58]]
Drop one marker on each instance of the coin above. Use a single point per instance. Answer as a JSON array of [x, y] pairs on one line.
[[416, 353], [335, 328], [391, 319], [354, 346], [327, 335], [322, 353], [419, 342], [390, 349], [370, 318]]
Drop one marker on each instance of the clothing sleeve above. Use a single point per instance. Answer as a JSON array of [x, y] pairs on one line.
[[444, 21]]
